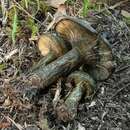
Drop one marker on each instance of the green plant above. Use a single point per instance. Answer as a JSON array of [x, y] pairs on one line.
[[15, 27], [33, 26], [14, 30], [91, 5], [86, 5], [2, 66], [127, 20]]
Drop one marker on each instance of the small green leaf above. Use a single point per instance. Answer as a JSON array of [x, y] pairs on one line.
[[33, 26], [26, 3], [2, 66], [86, 4]]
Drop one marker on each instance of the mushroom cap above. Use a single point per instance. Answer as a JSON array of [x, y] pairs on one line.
[[51, 43], [98, 72], [102, 68], [73, 30], [105, 50], [80, 76]]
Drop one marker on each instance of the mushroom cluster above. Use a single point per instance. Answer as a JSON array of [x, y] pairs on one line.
[[74, 44]]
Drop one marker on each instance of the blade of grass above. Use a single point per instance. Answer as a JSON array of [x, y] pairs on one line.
[[38, 6], [14, 30], [86, 4], [26, 3]]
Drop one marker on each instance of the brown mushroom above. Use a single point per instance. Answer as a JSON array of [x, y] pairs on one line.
[[51, 47], [83, 85], [82, 52], [104, 64], [46, 75], [74, 30]]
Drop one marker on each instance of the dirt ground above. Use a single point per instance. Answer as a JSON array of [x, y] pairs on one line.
[[108, 109]]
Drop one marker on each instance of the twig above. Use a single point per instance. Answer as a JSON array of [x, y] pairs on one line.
[[113, 6], [118, 91], [118, 4], [57, 94], [10, 54]]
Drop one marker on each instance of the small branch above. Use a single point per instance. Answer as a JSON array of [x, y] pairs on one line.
[[57, 94], [118, 91], [118, 4], [9, 55]]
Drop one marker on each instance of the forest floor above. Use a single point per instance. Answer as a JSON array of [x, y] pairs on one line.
[[109, 109]]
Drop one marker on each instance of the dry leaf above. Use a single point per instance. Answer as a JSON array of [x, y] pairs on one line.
[[55, 3]]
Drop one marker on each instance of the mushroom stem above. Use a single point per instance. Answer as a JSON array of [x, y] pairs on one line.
[[51, 47], [43, 62], [46, 75], [74, 98], [84, 85], [67, 110]]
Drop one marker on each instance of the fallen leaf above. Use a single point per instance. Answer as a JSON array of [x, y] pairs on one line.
[[61, 10], [55, 3]]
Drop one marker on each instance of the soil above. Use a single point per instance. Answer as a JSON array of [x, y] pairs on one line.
[[108, 109]]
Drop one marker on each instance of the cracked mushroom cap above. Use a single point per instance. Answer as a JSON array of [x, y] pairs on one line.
[[103, 67], [51, 43], [74, 30], [80, 76]]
